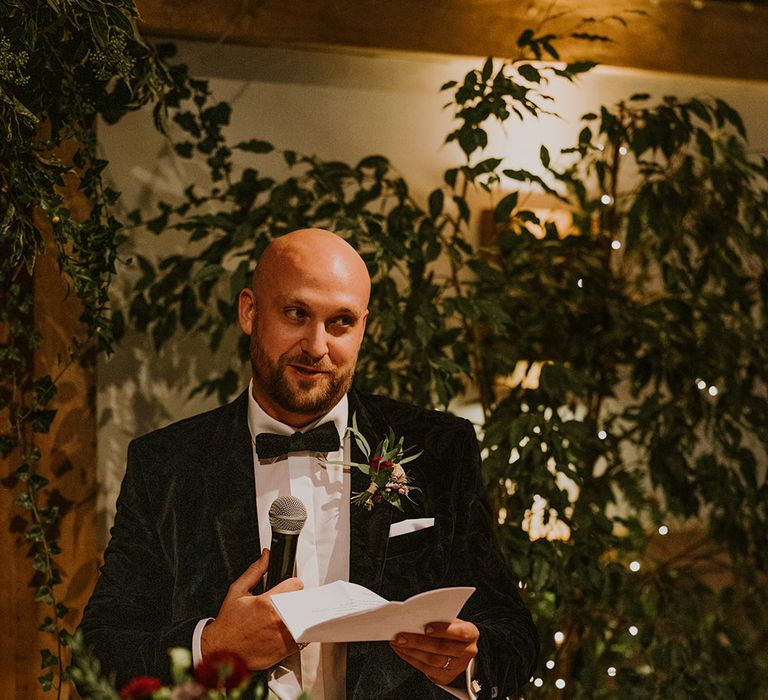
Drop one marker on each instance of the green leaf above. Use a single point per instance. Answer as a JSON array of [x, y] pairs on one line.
[[487, 70], [46, 681], [44, 389], [211, 271], [436, 203], [257, 146], [42, 419], [580, 67], [47, 658], [544, 156], [504, 208], [529, 73]]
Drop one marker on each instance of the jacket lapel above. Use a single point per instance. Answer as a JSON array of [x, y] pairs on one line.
[[229, 483], [368, 529]]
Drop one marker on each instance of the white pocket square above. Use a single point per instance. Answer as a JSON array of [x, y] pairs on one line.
[[406, 526]]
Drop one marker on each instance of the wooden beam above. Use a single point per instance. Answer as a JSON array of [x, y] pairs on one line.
[[719, 39]]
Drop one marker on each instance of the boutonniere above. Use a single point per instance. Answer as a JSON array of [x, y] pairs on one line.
[[384, 466]]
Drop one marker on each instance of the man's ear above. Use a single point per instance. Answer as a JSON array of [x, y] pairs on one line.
[[246, 310]]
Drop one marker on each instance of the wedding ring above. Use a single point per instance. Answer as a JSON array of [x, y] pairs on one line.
[[447, 663]]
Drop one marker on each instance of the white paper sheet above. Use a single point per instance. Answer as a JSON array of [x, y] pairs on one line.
[[346, 612]]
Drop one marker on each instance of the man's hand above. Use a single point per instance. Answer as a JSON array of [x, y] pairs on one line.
[[248, 624], [443, 652]]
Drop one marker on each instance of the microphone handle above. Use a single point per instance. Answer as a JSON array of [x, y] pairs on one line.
[[282, 557]]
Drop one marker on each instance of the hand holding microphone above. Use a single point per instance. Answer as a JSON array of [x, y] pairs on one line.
[[247, 623]]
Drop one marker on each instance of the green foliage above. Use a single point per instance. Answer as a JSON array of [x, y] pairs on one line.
[[62, 64], [653, 296], [659, 289]]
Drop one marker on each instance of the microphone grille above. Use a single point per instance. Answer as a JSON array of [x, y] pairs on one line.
[[287, 515]]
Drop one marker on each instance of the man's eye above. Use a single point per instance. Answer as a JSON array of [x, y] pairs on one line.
[[345, 321], [296, 314]]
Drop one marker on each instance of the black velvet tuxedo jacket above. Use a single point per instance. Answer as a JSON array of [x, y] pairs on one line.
[[186, 527]]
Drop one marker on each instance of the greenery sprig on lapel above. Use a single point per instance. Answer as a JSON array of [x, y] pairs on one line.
[[389, 481]]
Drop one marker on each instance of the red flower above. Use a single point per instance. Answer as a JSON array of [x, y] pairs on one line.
[[377, 464], [140, 688], [222, 669]]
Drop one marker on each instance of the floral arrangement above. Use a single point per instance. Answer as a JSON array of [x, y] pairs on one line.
[[384, 465], [221, 674]]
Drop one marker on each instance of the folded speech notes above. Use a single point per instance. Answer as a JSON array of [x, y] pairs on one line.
[[346, 612]]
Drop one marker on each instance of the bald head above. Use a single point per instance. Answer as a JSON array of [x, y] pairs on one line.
[[306, 314], [313, 253]]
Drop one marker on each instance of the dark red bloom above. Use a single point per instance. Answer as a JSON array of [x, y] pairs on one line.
[[222, 669], [140, 688], [377, 464]]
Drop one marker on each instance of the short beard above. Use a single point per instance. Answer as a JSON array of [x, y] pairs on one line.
[[271, 377]]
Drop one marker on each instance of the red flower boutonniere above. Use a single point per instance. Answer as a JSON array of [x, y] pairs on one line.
[[389, 482]]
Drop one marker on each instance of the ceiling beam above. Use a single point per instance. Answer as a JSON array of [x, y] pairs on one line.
[[719, 38]]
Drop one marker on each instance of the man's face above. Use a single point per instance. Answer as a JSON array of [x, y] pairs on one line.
[[305, 334]]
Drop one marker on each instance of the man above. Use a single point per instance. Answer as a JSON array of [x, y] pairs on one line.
[[192, 514]]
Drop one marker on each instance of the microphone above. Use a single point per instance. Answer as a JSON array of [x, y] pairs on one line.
[[287, 516]]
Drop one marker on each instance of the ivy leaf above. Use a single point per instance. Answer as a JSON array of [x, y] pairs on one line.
[[42, 419], [47, 658], [46, 681]]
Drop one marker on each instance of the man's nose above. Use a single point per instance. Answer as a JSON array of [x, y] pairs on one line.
[[315, 341]]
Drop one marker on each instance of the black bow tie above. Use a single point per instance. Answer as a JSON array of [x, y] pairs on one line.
[[324, 438]]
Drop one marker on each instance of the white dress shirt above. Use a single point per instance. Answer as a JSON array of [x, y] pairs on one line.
[[322, 554]]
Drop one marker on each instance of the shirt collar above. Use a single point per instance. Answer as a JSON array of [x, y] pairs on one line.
[[260, 422]]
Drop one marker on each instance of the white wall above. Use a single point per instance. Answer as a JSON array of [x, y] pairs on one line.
[[336, 106]]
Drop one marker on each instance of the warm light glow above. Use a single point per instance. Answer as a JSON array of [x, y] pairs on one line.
[[615, 245], [663, 530], [538, 682], [611, 671], [580, 283], [712, 390], [633, 630], [606, 199], [560, 683], [526, 374], [559, 637], [602, 434], [536, 527], [701, 384], [634, 566], [550, 664], [623, 150]]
